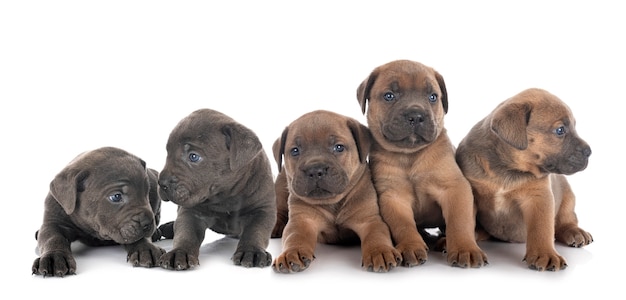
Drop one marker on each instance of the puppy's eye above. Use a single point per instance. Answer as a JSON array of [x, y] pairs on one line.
[[194, 157], [560, 131], [432, 98], [116, 198], [389, 96], [294, 151], [339, 148]]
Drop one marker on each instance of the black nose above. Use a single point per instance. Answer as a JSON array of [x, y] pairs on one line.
[[317, 171], [586, 151], [165, 183], [414, 116]]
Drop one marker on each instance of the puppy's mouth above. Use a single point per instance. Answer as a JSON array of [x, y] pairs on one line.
[[408, 133], [567, 168], [320, 183], [569, 164], [138, 226]]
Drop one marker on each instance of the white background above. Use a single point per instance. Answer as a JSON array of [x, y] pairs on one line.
[[77, 75]]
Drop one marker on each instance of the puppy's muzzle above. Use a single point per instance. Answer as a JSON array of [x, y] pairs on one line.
[[139, 226], [570, 162], [410, 127], [170, 189], [319, 180]]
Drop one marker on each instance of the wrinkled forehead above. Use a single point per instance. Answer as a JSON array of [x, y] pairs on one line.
[[318, 130], [549, 107], [409, 77]]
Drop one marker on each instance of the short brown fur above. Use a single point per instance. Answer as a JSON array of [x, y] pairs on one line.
[[516, 159], [325, 193], [419, 184]]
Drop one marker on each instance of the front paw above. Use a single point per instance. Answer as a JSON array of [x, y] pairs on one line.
[[381, 259], [467, 257], [574, 237], [413, 254], [545, 261], [178, 259], [54, 263], [143, 254], [293, 260], [253, 257]]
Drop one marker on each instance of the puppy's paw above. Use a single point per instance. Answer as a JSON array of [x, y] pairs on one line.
[[293, 260], [381, 259], [545, 261], [413, 254], [143, 254], [574, 236], [253, 257], [179, 259], [467, 257], [166, 231], [54, 263]]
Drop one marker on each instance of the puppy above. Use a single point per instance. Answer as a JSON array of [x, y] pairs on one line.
[[419, 184], [106, 196], [516, 159], [329, 194], [219, 176]]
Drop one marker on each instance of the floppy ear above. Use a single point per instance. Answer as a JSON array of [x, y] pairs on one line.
[[509, 122], [278, 148], [65, 188], [363, 91], [242, 143], [444, 91], [362, 137]]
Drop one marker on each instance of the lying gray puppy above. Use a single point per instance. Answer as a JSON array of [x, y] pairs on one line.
[[106, 196], [219, 176]]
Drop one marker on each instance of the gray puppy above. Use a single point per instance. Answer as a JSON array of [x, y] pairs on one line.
[[106, 196], [219, 176]]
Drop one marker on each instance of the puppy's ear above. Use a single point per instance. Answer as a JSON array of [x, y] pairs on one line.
[[363, 91], [278, 148], [242, 143], [65, 188], [509, 122], [444, 91], [153, 194], [362, 137]]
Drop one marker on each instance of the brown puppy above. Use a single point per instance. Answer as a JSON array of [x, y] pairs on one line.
[[106, 196], [331, 198], [221, 179], [419, 184], [514, 158]]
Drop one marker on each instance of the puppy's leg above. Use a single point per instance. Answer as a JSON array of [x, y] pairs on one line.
[[188, 236], [56, 257], [566, 223], [254, 239], [458, 211], [282, 213], [299, 241], [397, 212], [378, 253], [143, 253], [538, 207]]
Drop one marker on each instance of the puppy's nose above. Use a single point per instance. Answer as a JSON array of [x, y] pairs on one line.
[[316, 171], [165, 183], [586, 151], [414, 116]]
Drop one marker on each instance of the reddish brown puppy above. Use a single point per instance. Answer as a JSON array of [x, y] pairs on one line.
[[325, 193], [419, 184], [516, 159]]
